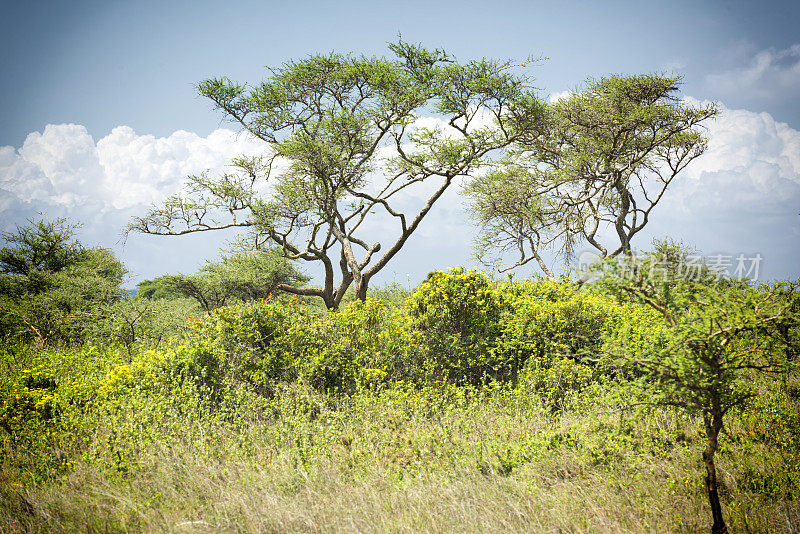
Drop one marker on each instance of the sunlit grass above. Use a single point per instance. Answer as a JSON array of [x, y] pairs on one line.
[[446, 460]]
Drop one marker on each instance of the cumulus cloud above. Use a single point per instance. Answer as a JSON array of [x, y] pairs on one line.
[[53, 167], [64, 167], [140, 169], [741, 196], [747, 184], [752, 163], [482, 118], [767, 74]]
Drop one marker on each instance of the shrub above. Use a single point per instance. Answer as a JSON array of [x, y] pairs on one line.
[[545, 321], [51, 286], [459, 315], [361, 345], [140, 324], [255, 344]]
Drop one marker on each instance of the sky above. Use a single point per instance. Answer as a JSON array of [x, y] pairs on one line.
[[100, 117]]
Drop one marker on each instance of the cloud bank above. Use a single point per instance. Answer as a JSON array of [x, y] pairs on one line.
[[752, 163], [748, 181], [741, 196], [64, 167]]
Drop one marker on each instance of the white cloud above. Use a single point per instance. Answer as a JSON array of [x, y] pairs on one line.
[[63, 166], [555, 97], [741, 196], [142, 169], [752, 163], [63, 172], [768, 74]]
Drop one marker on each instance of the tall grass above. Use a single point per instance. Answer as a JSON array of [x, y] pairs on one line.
[[436, 460]]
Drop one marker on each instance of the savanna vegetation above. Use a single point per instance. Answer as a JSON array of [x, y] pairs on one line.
[[466, 404], [241, 398]]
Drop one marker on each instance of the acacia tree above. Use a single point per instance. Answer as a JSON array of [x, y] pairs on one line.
[[42, 245], [243, 277], [607, 156], [342, 147], [718, 335]]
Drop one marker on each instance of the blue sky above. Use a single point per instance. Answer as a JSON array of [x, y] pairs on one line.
[[100, 66]]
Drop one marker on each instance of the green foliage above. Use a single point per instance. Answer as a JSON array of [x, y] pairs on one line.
[[244, 277], [363, 345], [556, 381], [550, 318], [713, 334], [598, 168], [158, 288], [139, 323], [475, 330], [54, 287], [551, 328], [28, 404], [771, 425], [720, 335], [392, 295], [45, 399], [257, 344], [267, 343], [458, 313], [41, 246]]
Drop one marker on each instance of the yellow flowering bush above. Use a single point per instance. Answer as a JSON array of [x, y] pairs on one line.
[[458, 313], [27, 405]]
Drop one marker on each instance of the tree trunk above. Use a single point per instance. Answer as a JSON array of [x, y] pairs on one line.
[[361, 288], [713, 423]]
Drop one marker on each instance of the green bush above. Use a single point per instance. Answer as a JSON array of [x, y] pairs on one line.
[[29, 403], [548, 318], [265, 343], [459, 315], [361, 345], [547, 322], [254, 344], [51, 287], [771, 426], [140, 324], [47, 403]]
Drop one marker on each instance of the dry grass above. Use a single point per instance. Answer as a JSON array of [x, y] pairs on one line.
[[393, 462]]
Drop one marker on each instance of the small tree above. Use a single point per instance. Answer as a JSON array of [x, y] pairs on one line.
[[242, 276], [719, 334], [608, 155], [158, 288], [139, 322], [51, 287], [343, 147], [43, 245]]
